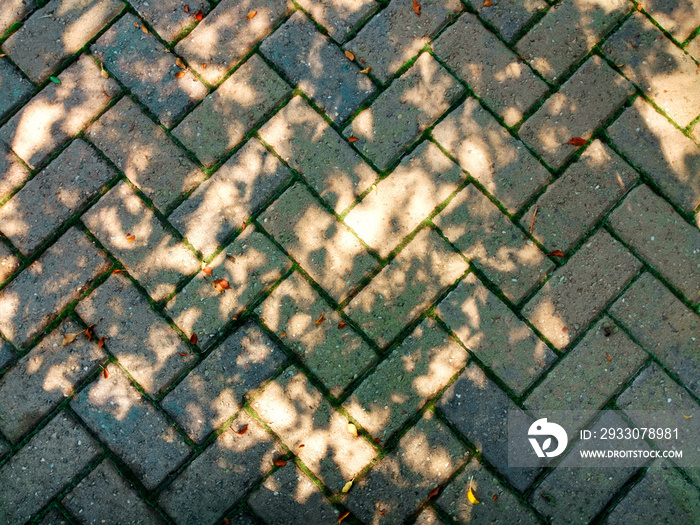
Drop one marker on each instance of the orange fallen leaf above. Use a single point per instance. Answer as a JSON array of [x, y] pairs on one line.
[[251, 14], [352, 429], [68, 339], [280, 462], [349, 55], [144, 29], [90, 332], [532, 222], [136, 25], [381, 511], [639, 7], [187, 8], [607, 356], [495, 496], [118, 270], [206, 270], [183, 354], [193, 339], [220, 285], [179, 74], [101, 341], [341, 324], [105, 373], [488, 3], [416, 7], [556, 253], [577, 141], [227, 521], [130, 238], [343, 516], [352, 138], [242, 430], [179, 63], [366, 70], [283, 334], [199, 15], [204, 66], [434, 492], [319, 320], [302, 445]]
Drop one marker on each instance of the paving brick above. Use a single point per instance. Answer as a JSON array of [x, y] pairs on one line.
[[406, 287], [168, 17], [566, 34], [489, 329], [672, 82], [117, 413], [491, 155], [663, 326], [226, 35], [222, 120], [578, 199], [493, 243], [15, 87], [143, 65], [40, 470], [300, 415], [318, 67], [251, 264], [4, 449], [325, 159], [41, 207], [8, 262], [653, 144], [37, 295], [662, 238], [7, 355], [216, 389], [428, 516], [412, 374], [663, 496], [426, 456], [336, 356], [12, 171], [502, 81], [678, 18], [397, 34], [242, 518], [591, 373], [401, 113], [43, 378], [288, 496], [221, 204], [478, 408], [12, 11], [58, 112], [694, 49], [508, 17], [56, 31], [54, 517], [577, 292], [405, 198], [324, 248], [143, 342], [582, 104], [145, 153], [499, 505], [222, 474], [109, 490], [571, 494], [339, 17], [134, 235]]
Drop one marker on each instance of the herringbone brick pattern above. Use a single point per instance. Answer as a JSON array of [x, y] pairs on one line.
[[292, 261]]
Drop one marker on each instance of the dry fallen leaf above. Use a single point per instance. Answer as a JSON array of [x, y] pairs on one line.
[[104, 73], [343, 516], [341, 324], [183, 354], [118, 270], [352, 138], [283, 334], [68, 339], [472, 497], [556, 253], [187, 8], [532, 222], [193, 339], [206, 270], [199, 15], [251, 14], [179, 74], [577, 141], [488, 3], [416, 7], [227, 521], [352, 429], [130, 238], [179, 63], [319, 320], [434, 492], [101, 341], [687, 417], [366, 70], [607, 356], [381, 511], [242, 430], [349, 55], [639, 7], [347, 487], [220, 285], [144, 29], [280, 462], [495, 496], [90, 332], [105, 373]]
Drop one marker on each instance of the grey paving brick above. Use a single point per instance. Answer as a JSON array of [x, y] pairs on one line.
[[289, 496], [653, 144], [7, 355], [12, 11], [502, 81], [412, 374], [406, 286], [168, 17], [583, 103], [143, 342], [216, 389], [672, 82], [226, 35], [222, 120], [478, 408], [405, 198], [508, 17], [251, 264], [299, 415], [12, 171], [8, 262], [396, 34], [578, 199], [324, 248], [43, 378], [566, 34], [581, 289], [104, 488], [426, 456], [678, 18], [143, 65], [242, 518], [54, 517], [131, 427], [339, 17], [65, 186], [43, 468], [16, 88], [58, 112], [401, 113], [48, 285], [491, 155], [56, 31], [222, 474], [489, 329], [304, 140], [493, 243], [221, 204], [428, 516], [134, 235], [663, 326], [662, 238], [4, 449], [318, 67], [337, 356], [496, 503], [145, 153]]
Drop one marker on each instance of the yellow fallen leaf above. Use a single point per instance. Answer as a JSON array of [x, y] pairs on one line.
[[104, 73], [472, 497], [68, 339], [366, 70], [687, 417], [352, 429], [343, 516], [144, 29], [347, 487]]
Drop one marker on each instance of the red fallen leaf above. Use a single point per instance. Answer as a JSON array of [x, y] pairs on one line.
[[130, 238], [105, 373], [199, 15], [352, 138], [577, 141], [101, 341], [343, 516], [227, 521], [495, 496], [341, 324], [319, 320], [280, 462], [193, 339], [220, 285], [302, 445], [381, 511], [607, 356], [183, 354], [207, 271], [416, 7], [564, 328], [557, 253], [242, 430], [434, 492]]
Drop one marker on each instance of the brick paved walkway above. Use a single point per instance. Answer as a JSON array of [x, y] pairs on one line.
[[292, 261]]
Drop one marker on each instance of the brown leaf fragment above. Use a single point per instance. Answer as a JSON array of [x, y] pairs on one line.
[[434, 492], [532, 222], [204, 65], [577, 141], [136, 25], [349, 55], [179, 63], [556, 253], [319, 320], [302, 445], [199, 15], [68, 339], [251, 14], [607, 356], [352, 138], [90, 332], [105, 373], [283, 334], [220, 285], [343, 516], [366, 70], [193, 339], [227, 521], [206, 270], [144, 29], [280, 462], [101, 341], [118, 270], [187, 8], [183, 354], [488, 3], [179, 74], [242, 430], [341, 324], [416, 7], [130, 238]]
